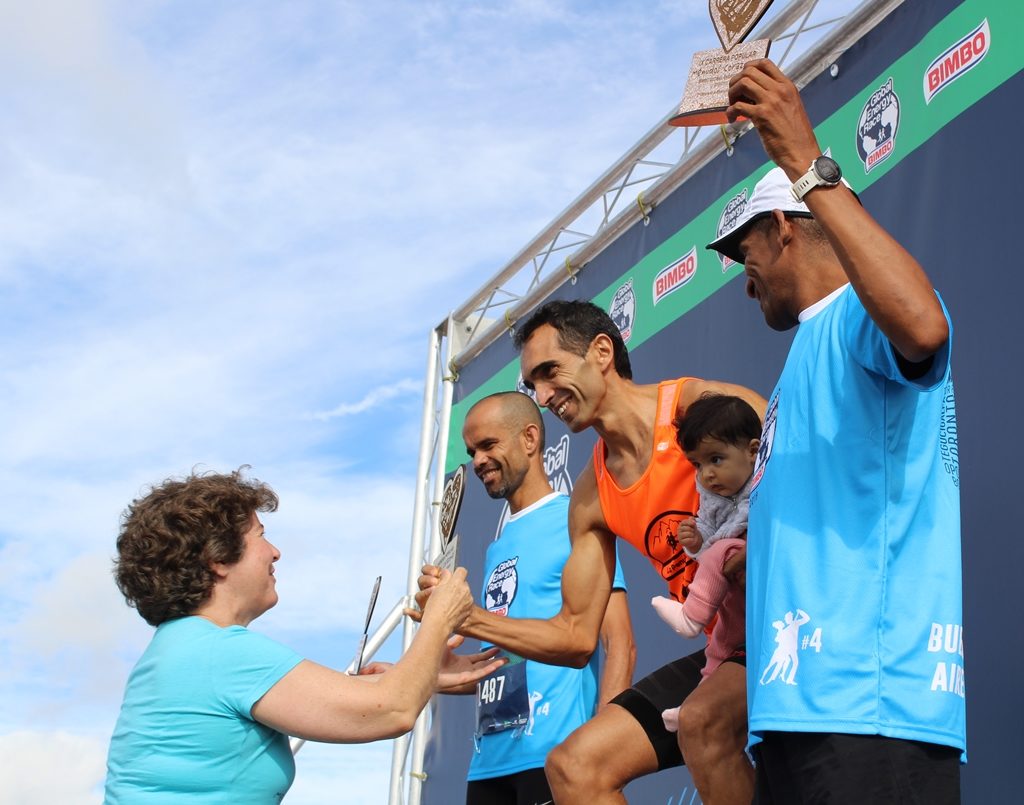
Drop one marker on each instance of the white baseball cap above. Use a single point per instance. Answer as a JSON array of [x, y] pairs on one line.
[[773, 192]]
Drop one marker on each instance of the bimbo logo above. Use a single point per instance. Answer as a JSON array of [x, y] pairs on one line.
[[877, 127], [731, 213], [956, 60], [623, 309], [671, 278]]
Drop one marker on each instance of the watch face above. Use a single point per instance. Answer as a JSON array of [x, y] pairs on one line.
[[828, 169]]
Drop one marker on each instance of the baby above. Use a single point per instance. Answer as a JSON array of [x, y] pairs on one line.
[[720, 436]]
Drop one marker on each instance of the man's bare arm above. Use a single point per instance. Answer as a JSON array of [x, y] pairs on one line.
[[619, 648], [570, 637]]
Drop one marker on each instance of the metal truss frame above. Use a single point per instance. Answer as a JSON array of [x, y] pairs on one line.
[[628, 190], [619, 198]]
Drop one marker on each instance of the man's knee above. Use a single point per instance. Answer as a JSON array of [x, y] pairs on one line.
[[592, 760], [559, 767], [695, 720], [702, 724], [577, 757]]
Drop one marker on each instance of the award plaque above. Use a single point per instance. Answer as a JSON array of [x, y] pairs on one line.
[[734, 19], [451, 502], [366, 629], [706, 96]]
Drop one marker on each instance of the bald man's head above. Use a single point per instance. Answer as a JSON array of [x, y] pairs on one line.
[[504, 436], [514, 409]]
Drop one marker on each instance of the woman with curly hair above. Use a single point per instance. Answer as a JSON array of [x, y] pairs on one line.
[[208, 708]]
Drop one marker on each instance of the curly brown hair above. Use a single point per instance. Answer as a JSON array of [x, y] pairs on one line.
[[169, 539]]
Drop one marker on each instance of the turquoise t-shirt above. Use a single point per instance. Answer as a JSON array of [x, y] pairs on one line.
[[853, 569], [185, 733], [523, 579]]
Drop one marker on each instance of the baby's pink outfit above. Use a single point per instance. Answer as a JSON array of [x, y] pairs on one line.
[[709, 592]]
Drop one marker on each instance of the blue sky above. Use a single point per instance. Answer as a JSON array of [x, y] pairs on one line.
[[227, 230]]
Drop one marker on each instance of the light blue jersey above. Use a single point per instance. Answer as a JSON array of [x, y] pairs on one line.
[[185, 733], [853, 574], [523, 579]]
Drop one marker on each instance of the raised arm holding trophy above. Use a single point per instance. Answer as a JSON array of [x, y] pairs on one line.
[[854, 518]]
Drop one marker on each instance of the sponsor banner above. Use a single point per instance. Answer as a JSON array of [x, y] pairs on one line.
[[895, 89]]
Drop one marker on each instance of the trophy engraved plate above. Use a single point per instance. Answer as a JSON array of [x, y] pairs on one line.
[[734, 19], [451, 502], [706, 96]]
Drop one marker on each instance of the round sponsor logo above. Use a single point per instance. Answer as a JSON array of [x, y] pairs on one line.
[[522, 389], [556, 465], [731, 214], [764, 452], [623, 309], [877, 127], [500, 590]]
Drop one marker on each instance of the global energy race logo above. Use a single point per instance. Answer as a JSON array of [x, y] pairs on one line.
[[731, 213], [764, 452], [877, 127], [956, 60], [556, 465], [500, 590], [623, 309], [522, 389]]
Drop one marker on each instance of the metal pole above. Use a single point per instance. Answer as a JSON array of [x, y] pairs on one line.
[[419, 511], [419, 733]]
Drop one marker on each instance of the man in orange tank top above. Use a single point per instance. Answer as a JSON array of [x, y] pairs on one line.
[[641, 487]]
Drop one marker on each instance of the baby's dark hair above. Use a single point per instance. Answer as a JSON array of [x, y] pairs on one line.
[[718, 416]]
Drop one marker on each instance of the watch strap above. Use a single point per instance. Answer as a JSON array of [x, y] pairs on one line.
[[802, 186]]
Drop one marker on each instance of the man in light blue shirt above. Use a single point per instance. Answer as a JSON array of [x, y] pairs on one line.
[[855, 681], [526, 708]]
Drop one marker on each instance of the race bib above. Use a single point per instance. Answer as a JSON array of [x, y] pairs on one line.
[[502, 698]]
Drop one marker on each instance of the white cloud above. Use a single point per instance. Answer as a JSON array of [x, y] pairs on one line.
[[329, 774], [45, 767], [372, 399], [219, 218]]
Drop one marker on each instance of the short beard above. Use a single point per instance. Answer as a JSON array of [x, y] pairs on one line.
[[508, 486], [501, 491]]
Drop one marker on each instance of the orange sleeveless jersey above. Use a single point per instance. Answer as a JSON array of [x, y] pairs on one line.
[[648, 513]]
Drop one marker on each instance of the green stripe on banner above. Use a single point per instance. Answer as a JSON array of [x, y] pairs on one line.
[[933, 83]]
